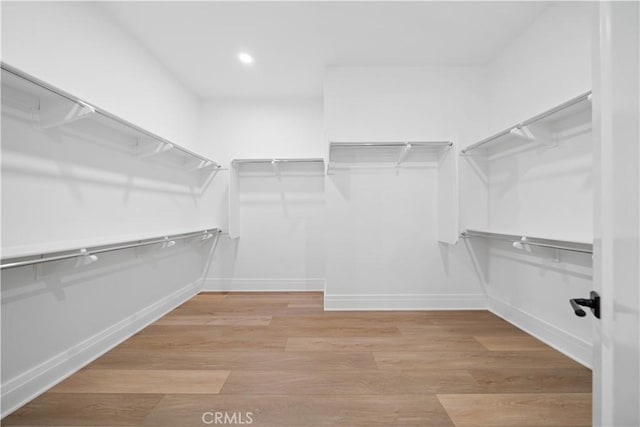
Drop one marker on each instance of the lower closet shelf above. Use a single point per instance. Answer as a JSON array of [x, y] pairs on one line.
[[89, 254], [520, 240]]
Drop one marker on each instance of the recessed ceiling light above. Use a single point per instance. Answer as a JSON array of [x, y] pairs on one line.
[[245, 58]]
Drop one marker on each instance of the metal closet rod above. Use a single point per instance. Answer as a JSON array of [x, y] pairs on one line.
[[584, 97], [276, 160], [565, 245], [81, 252], [10, 69], [391, 144]]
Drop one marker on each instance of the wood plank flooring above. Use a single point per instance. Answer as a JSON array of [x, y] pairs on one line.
[[280, 357]]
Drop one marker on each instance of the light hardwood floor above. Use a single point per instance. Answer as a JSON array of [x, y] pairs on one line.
[[282, 358]]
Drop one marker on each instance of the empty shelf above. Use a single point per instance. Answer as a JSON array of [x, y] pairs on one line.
[[372, 154], [277, 166], [89, 253], [521, 240], [521, 133], [31, 100]]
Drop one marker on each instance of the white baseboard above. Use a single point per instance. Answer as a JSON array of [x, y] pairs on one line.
[[405, 302], [230, 284], [566, 343], [27, 386]]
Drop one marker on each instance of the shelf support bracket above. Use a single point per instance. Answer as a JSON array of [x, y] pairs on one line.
[[75, 113], [202, 164], [167, 243], [85, 258], [403, 154], [523, 132], [276, 170], [158, 149], [522, 244]]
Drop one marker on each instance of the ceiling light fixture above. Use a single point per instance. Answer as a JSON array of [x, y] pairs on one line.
[[245, 58]]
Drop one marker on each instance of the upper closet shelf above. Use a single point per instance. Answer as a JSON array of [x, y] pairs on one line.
[[545, 127], [46, 107], [520, 241], [274, 161], [276, 166], [348, 154]]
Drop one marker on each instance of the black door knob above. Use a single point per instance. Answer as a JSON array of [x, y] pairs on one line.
[[593, 303]]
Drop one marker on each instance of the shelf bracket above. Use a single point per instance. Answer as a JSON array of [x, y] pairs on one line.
[[161, 147], [403, 154], [522, 244], [274, 165], [201, 238], [523, 132], [167, 243], [202, 164], [77, 112], [85, 258]]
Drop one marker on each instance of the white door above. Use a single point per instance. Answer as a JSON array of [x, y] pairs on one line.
[[616, 367]]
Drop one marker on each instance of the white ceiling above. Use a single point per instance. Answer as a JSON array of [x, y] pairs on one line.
[[292, 42]]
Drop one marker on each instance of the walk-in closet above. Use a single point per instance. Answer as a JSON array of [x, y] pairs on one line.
[[320, 213]]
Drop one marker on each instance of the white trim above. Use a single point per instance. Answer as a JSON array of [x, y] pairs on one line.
[[568, 344], [30, 384], [405, 302], [231, 284]]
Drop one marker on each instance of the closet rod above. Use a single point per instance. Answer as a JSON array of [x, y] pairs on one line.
[[392, 144], [104, 248], [532, 241], [305, 160], [585, 96], [10, 69]]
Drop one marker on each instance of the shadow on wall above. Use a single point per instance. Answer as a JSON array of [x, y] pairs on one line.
[[444, 256], [566, 263], [342, 177], [342, 182], [225, 259], [479, 256], [82, 157], [281, 216], [546, 259]]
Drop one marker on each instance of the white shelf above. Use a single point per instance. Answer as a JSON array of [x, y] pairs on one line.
[[440, 155], [31, 100], [568, 245], [354, 155], [543, 128], [70, 245], [279, 166], [274, 167]]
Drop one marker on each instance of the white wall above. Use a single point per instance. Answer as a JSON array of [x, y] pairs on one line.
[[532, 290], [382, 230], [61, 190], [404, 103], [382, 248], [77, 47], [282, 232], [57, 317], [281, 217], [262, 128], [549, 63], [545, 188], [92, 193], [543, 191]]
